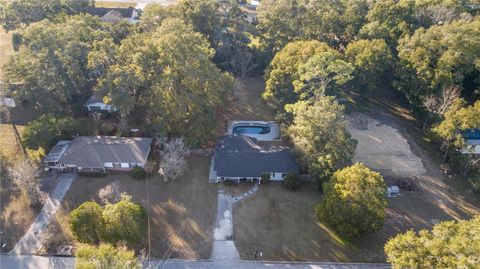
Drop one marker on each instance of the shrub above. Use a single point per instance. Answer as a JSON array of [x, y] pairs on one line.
[[36, 155], [124, 221], [138, 172], [45, 131], [291, 181], [354, 201], [105, 256], [86, 223], [265, 177]]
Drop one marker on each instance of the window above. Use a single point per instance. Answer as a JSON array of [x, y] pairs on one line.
[[284, 175]]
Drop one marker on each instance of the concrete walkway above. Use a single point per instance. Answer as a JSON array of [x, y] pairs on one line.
[[32, 241], [52, 262], [223, 245]]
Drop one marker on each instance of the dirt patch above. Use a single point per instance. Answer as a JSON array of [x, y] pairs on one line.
[[247, 104], [382, 147], [182, 211]]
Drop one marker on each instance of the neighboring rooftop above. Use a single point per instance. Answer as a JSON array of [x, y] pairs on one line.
[[95, 151], [242, 156], [96, 97], [102, 11], [473, 134]]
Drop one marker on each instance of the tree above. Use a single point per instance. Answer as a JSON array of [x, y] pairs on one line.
[[319, 135], [173, 153], [124, 221], [439, 105], [279, 22], [87, 224], [354, 201], [450, 244], [17, 13], [321, 72], [439, 56], [25, 175], [389, 20], [457, 119], [283, 71], [167, 78], [45, 131], [50, 68], [372, 60], [105, 256], [333, 22]]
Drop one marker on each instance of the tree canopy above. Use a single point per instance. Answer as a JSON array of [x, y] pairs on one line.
[[373, 62], [458, 118], [86, 223], [124, 221], [441, 55], [17, 13], [50, 70], [283, 71], [450, 244], [168, 78], [354, 201], [318, 133]]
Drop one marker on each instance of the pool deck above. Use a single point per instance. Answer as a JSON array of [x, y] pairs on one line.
[[273, 135]]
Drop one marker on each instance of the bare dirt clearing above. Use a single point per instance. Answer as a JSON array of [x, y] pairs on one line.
[[382, 148], [182, 211]]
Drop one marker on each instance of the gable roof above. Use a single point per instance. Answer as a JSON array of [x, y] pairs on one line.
[[242, 156], [96, 97], [102, 11], [95, 151]]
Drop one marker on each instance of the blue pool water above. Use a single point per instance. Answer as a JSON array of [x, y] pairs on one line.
[[251, 129]]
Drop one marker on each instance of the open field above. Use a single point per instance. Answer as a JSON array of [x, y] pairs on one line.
[[182, 211]]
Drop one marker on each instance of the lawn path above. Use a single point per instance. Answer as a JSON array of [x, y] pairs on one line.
[[223, 245], [32, 241]]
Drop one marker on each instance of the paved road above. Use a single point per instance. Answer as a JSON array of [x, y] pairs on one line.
[[32, 241], [44, 262]]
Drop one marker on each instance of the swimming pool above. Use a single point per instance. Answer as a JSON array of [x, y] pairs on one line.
[[251, 129]]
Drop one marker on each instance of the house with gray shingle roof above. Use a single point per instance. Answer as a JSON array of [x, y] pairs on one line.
[[239, 157], [99, 153]]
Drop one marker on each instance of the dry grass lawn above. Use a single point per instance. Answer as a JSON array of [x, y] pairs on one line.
[[16, 214], [9, 147], [182, 211]]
